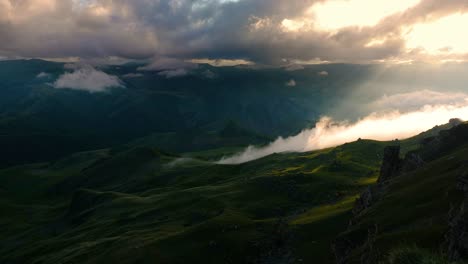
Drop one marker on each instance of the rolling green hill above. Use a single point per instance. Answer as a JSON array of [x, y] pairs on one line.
[[135, 204], [140, 205]]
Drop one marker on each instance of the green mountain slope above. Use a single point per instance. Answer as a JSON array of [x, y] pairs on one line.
[[140, 205], [413, 209], [135, 204]]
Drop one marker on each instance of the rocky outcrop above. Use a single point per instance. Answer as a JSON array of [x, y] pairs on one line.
[[391, 164], [391, 167], [365, 200], [365, 237], [411, 162]]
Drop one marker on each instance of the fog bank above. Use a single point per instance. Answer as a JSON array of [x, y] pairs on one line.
[[387, 125]]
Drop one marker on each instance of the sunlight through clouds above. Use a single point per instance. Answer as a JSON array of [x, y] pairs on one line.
[[446, 35], [335, 14]]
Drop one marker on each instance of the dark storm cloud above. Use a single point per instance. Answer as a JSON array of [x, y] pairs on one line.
[[214, 29]]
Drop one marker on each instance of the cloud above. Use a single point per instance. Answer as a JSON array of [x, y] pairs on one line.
[[291, 83], [174, 73], [165, 63], [262, 32], [209, 74], [417, 99], [377, 126], [43, 75], [294, 67], [132, 75], [322, 73], [70, 28], [170, 67], [86, 78], [223, 62]]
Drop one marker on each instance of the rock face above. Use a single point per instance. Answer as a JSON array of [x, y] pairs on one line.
[[364, 237], [391, 164], [366, 200], [343, 246], [412, 162], [391, 167]]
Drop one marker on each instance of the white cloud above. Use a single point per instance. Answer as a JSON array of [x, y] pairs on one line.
[[43, 75], [291, 83], [417, 99], [383, 126], [222, 62], [444, 35], [343, 13], [87, 78], [322, 73]]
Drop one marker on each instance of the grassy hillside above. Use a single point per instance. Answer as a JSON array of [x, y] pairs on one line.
[[410, 218], [137, 204], [141, 205]]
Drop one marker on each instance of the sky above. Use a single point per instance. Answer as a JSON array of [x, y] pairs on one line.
[[231, 32]]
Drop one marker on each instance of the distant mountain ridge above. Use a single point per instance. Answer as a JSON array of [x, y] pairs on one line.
[[39, 122]]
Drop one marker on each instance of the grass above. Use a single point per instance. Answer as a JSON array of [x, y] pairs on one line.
[[415, 255], [142, 206], [413, 210]]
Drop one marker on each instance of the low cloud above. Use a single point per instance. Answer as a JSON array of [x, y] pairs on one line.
[[170, 67], [87, 78], [161, 64], [209, 74], [417, 99], [223, 62], [377, 126], [291, 83], [43, 75], [132, 75], [174, 73], [294, 67], [322, 73]]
